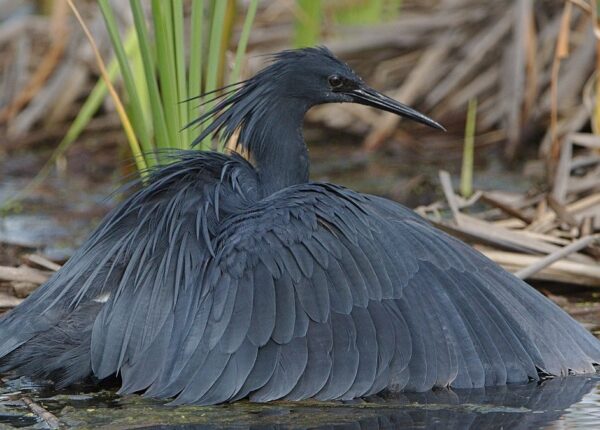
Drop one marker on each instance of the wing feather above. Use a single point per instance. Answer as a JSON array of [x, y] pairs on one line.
[[319, 340], [368, 349], [263, 308], [285, 313], [290, 362]]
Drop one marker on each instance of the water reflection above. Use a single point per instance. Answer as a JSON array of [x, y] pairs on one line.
[[510, 407]]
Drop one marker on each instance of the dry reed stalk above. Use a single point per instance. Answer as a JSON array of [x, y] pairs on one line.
[[561, 52], [49, 418], [564, 271]]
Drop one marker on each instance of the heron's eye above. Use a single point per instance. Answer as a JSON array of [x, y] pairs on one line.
[[335, 81]]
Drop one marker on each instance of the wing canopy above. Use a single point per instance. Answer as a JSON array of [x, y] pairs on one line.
[[314, 291], [320, 292]]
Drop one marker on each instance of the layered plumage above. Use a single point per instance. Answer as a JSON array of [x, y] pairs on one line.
[[223, 279]]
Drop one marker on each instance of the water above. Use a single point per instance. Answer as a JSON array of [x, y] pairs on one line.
[[572, 403], [54, 220]]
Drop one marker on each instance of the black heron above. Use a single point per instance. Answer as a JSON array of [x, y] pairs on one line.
[[225, 277]]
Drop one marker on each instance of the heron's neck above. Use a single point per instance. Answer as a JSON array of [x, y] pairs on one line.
[[277, 148]]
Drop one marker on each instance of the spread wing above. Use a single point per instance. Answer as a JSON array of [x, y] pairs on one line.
[[320, 292], [114, 301]]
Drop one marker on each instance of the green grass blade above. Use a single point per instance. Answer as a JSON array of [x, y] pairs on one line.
[[141, 87], [196, 45], [395, 6], [165, 60], [180, 70], [361, 12], [216, 40], [243, 42], [308, 23], [214, 57], [137, 116], [156, 107], [466, 174]]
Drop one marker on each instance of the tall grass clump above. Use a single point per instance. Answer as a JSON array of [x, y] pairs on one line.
[[166, 69], [160, 69]]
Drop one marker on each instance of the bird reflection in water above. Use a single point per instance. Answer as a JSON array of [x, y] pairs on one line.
[[526, 406]]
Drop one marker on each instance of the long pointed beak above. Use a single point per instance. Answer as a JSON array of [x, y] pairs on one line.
[[369, 97]]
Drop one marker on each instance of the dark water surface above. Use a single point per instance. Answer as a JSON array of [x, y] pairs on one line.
[[572, 402]]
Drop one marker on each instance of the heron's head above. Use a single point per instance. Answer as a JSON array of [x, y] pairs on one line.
[[315, 76], [295, 81]]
